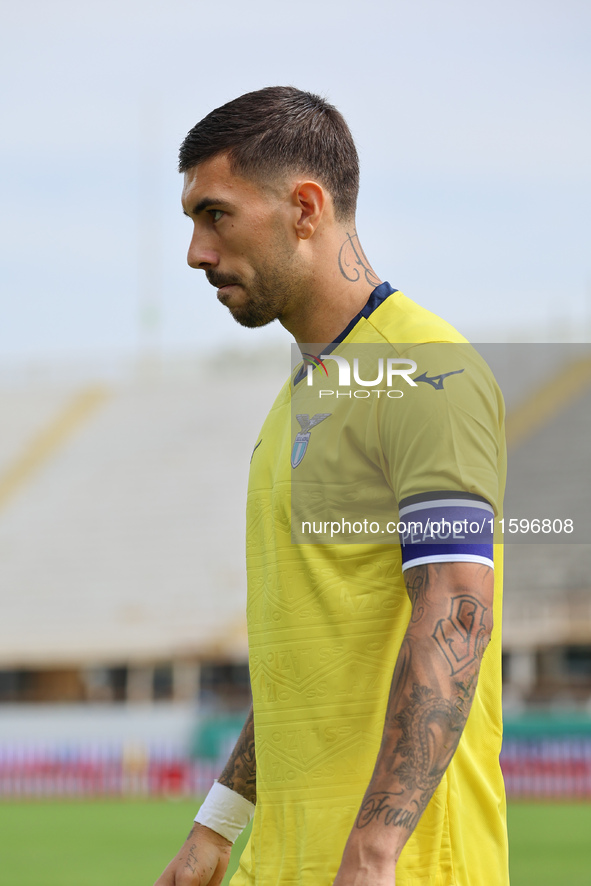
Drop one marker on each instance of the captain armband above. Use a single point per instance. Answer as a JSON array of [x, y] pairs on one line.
[[225, 812], [446, 527]]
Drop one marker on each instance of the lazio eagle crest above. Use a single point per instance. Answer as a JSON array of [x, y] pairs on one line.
[[303, 437]]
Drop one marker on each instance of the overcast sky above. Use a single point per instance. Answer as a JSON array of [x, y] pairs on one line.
[[472, 121]]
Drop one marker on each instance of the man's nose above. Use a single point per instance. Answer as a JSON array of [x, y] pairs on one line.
[[200, 255]]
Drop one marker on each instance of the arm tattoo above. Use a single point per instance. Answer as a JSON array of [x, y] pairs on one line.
[[432, 691], [431, 727], [383, 805], [353, 262], [417, 588], [401, 679], [462, 636], [240, 772]]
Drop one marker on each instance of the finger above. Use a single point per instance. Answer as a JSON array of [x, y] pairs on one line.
[[219, 873]]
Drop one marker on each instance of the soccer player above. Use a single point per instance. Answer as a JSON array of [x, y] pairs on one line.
[[371, 753]]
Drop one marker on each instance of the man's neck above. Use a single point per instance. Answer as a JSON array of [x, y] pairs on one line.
[[340, 285]]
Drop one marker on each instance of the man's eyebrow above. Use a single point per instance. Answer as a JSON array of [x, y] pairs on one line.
[[203, 204]]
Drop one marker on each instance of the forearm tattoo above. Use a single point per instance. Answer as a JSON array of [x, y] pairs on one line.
[[240, 772], [432, 691], [431, 727], [384, 806]]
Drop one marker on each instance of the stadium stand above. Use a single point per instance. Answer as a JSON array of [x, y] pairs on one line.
[[121, 519]]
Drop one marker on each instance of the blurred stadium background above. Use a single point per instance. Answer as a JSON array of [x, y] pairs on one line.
[[123, 652]]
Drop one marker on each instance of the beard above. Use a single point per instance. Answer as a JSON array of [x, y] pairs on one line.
[[265, 301], [266, 296]]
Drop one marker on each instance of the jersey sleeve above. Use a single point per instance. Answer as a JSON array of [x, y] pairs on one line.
[[444, 455]]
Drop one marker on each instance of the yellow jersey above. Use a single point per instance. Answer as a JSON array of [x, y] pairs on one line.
[[337, 478]]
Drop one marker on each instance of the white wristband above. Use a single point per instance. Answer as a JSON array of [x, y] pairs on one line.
[[225, 812]]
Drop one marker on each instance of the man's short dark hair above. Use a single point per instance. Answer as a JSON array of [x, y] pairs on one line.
[[278, 130]]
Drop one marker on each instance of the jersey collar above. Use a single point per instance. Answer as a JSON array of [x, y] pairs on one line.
[[379, 294]]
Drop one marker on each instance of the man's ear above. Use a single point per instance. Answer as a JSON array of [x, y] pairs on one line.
[[309, 201]]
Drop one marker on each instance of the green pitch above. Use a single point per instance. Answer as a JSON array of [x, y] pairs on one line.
[[549, 843], [90, 844], [82, 843]]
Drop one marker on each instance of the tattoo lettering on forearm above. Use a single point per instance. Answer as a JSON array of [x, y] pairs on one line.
[[383, 807], [462, 636], [353, 262], [240, 772]]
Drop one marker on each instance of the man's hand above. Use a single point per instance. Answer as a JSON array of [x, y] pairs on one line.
[[202, 861], [204, 857]]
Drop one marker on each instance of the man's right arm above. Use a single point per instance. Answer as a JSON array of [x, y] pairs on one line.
[[203, 858]]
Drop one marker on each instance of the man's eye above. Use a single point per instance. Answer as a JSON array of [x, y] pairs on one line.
[[216, 214]]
